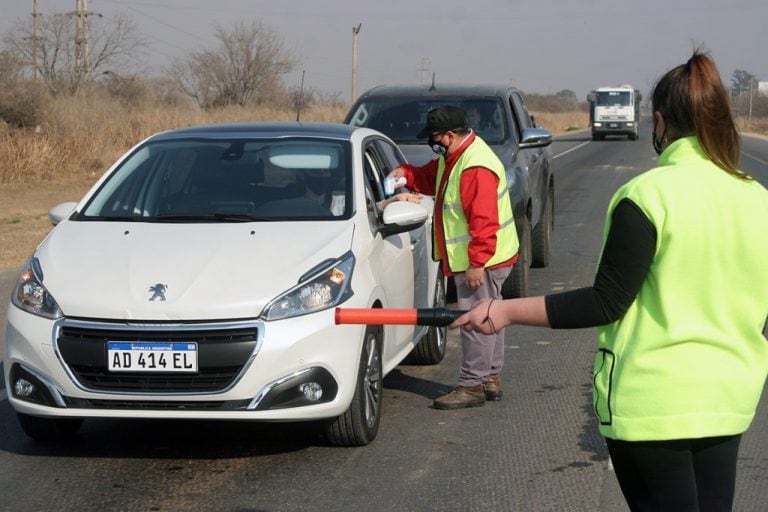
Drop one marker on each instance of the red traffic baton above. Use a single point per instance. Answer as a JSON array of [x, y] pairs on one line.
[[433, 317]]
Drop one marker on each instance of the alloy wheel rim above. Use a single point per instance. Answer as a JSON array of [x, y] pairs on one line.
[[372, 382]]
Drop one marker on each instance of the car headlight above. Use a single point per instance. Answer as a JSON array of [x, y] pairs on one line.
[[323, 287], [30, 294]]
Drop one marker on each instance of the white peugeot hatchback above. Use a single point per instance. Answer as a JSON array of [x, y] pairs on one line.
[[198, 279]]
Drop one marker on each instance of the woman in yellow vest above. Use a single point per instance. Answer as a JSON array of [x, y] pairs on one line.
[[681, 298]]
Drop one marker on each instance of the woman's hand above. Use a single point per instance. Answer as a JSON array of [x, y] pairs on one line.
[[483, 317]]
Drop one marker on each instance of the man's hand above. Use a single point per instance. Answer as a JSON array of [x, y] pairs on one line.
[[473, 277]]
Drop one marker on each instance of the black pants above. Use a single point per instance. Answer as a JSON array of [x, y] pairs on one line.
[[685, 475]]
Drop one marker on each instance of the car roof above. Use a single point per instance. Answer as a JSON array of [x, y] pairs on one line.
[[268, 129], [441, 90]]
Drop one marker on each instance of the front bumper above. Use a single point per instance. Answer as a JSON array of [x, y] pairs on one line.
[[248, 370]]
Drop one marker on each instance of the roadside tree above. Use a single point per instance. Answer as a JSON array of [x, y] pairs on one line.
[[245, 68], [114, 44]]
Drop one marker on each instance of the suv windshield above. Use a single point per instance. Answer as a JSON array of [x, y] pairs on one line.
[[401, 118], [227, 180]]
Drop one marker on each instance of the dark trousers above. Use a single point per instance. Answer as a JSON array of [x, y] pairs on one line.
[[684, 475]]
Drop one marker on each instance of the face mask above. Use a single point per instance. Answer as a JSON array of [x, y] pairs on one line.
[[437, 147]]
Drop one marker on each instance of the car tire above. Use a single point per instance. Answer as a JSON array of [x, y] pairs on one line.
[[359, 425], [516, 285], [541, 237], [431, 348], [49, 429]]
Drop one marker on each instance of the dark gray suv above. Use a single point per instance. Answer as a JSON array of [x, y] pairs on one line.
[[499, 116]]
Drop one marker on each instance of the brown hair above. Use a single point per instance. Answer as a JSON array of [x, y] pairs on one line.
[[693, 101]]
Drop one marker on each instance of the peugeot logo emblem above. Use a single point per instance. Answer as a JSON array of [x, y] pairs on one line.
[[158, 291]]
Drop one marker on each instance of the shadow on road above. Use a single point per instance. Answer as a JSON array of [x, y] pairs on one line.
[[164, 439], [195, 439], [397, 380]]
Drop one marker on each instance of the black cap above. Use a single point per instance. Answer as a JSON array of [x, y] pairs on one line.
[[443, 119]]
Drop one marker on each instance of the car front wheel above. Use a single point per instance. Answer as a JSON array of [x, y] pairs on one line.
[[359, 425], [542, 234]]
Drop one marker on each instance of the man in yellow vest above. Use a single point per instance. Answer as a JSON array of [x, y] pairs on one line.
[[474, 238]]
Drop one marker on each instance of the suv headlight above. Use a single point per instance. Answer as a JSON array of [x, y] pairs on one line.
[[30, 294], [321, 288]]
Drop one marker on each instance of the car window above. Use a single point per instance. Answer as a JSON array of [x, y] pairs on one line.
[[526, 120], [390, 154], [219, 180], [518, 127]]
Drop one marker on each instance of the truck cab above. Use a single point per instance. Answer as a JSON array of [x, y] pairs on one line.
[[614, 110]]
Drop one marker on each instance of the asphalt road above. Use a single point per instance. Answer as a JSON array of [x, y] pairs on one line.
[[536, 450]]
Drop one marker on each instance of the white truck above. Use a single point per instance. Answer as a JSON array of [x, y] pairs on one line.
[[614, 110]]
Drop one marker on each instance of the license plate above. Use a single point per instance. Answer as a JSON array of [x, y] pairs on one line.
[[613, 125], [127, 356]]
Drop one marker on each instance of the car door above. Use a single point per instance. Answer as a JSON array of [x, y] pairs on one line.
[[425, 268], [391, 258]]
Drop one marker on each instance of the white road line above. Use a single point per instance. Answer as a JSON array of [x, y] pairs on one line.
[[574, 148], [755, 158]]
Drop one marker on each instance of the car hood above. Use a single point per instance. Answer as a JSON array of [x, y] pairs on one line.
[[110, 270]]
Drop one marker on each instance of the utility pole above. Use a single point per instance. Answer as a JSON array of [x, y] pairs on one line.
[[83, 64], [423, 69], [355, 38], [36, 38]]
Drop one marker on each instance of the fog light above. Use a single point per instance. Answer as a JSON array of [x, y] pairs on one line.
[[24, 388], [312, 391]]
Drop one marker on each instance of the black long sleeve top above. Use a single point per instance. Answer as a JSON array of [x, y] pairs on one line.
[[626, 259]]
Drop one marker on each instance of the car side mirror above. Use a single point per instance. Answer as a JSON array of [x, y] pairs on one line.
[[535, 138], [402, 216], [61, 212]]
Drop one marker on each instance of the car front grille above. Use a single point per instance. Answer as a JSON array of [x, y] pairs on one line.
[[223, 352]]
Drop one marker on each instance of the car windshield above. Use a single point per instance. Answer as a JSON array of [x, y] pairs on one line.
[[227, 180], [402, 118]]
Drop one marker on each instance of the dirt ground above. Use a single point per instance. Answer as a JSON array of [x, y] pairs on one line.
[[24, 216]]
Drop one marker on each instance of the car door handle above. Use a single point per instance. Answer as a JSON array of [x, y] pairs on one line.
[[534, 158]]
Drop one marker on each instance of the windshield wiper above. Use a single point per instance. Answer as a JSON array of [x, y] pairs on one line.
[[216, 217]]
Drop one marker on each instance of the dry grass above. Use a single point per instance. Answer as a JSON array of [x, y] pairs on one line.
[[80, 139]]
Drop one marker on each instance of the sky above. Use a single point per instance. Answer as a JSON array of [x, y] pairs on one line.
[[539, 46]]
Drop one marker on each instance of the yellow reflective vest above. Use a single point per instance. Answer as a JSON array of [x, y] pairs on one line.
[[454, 223], [688, 359]]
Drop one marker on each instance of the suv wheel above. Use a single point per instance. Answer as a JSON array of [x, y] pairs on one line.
[[542, 233], [516, 285], [359, 425]]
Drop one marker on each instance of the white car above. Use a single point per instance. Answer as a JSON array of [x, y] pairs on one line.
[[198, 279]]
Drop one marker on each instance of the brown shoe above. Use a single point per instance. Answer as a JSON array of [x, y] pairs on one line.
[[492, 388], [461, 397]]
